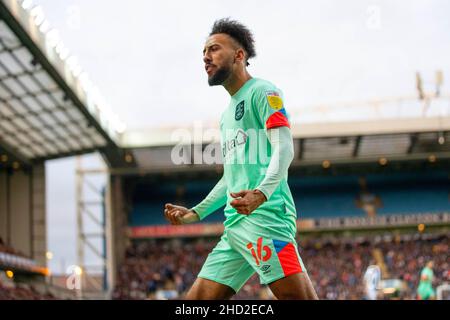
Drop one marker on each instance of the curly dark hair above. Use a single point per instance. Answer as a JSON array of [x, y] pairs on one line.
[[240, 33]]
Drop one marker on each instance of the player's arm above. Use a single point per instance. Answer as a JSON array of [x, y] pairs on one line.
[[216, 198], [177, 215], [280, 139]]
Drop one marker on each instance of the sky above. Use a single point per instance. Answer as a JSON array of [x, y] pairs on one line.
[[145, 58]]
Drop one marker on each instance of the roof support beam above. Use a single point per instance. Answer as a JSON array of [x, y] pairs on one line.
[[356, 147], [413, 141]]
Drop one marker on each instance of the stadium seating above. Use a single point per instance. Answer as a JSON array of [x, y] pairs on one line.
[[23, 292], [155, 267], [405, 193], [317, 197], [148, 202]]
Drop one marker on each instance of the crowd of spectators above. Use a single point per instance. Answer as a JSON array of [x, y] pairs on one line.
[[22, 292], [165, 269], [405, 259]]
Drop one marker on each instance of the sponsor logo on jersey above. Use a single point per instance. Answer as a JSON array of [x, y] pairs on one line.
[[239, 139]]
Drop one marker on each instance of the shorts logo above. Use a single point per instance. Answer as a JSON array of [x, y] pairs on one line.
[[258, 255], [265, 268], [239, 113]]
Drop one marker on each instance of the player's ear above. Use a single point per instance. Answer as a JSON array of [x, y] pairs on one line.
[[239, 55]]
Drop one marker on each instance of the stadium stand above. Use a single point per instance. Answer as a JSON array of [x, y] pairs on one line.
[[407, 193], [148, 201], [22, 291], [339, 193], [317, 197], [21, 278], [165, 269], [12, 258]]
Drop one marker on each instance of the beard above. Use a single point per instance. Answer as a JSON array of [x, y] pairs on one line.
[[219, 76]]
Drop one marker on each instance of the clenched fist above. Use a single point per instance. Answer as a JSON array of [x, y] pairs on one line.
[[246, 201]]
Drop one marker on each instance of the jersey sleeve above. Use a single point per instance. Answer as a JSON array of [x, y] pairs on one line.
[[213, 201], [282, 154], [269, 107]]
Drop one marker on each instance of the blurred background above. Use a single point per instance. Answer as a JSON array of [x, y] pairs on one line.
[[96, 96]]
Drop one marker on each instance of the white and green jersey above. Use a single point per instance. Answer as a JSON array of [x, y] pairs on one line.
[[425, 289], [246, 151]]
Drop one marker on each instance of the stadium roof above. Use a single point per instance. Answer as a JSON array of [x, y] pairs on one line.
[[49, 107], [170, 136], [420, 135]]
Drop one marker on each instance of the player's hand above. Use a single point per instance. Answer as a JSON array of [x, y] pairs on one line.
[[178, 215], [246, 201]]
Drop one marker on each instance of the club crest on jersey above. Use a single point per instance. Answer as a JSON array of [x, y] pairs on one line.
[[274, 100], [239, 113]]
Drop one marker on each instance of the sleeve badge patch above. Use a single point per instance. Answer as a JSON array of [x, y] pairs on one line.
[[274, 100]]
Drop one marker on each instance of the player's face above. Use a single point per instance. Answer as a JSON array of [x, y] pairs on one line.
[[218, 56]]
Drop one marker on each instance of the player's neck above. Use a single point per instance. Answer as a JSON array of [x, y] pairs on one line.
[[236, 81]]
